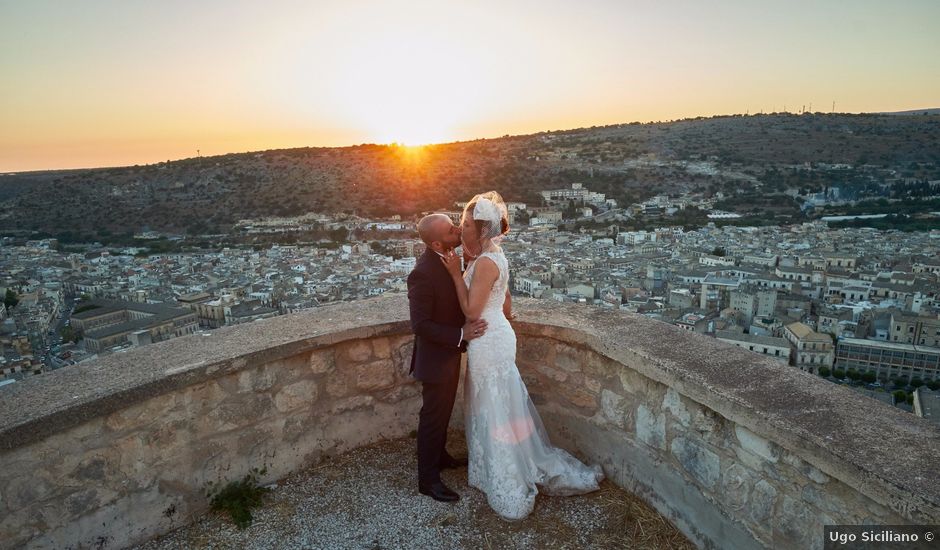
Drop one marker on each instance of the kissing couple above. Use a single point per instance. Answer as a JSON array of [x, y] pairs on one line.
[[510, 457]]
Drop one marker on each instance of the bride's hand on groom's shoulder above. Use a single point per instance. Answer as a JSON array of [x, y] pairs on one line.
[[452, 263]]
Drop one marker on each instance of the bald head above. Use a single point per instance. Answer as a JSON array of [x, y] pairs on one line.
[[438, 232]]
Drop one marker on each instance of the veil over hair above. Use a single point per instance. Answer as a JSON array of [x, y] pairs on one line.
[[490, 214]]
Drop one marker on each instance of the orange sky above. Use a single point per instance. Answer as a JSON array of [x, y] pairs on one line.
[[102, 83]]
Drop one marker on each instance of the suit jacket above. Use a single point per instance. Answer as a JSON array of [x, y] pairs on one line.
[[436, 319]]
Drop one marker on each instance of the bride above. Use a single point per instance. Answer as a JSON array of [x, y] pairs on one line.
[[509, 451]]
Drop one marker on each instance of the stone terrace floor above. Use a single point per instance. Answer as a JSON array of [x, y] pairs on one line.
[[367, 498]]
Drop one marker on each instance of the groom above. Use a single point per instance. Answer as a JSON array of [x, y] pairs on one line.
[[441, 333]]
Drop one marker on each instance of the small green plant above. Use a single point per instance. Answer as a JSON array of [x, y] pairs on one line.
[[237, 498], [900, 396]]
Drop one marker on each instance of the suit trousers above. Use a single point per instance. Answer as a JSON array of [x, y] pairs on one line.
[[437, 406]]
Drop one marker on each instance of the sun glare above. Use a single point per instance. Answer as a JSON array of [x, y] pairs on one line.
[[407, 87]]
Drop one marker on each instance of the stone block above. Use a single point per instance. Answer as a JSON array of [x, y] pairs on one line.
[[298, 425], [296, 395], [338, 385], [599, 366], [352, 403], [402, 358], [616, 410], [825, 499], [127, 418], [796, 525], [375, 375], [672, 402], [322, 361], [400, 393], [579, 397], [763, 499], [736, 483], [701, 463], [94, 468], [554, 374], [651, 427], [381, 348], [134, 458], [711, 427], [199, 399], [290, 369], [756, 444], [20, 492], [358, 351], [82, 502], [804, 467], [255, 380], [234, 412], [253, 446], [633, 382], [567, 358], [536, 350], [593, 385], [159, 436]]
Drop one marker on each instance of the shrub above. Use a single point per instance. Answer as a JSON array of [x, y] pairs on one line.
[[839, 373], [900, 396], [237, 498], [824, 372]]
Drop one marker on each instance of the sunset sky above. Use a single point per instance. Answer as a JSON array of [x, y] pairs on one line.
[[103, 83]]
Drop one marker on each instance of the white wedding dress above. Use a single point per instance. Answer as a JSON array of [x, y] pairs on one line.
[[509, 451]]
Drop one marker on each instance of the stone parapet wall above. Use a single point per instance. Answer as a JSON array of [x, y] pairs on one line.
[[738, 450], [112, 472]]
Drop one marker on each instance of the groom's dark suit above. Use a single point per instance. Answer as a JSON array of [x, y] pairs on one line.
[[437, 320]]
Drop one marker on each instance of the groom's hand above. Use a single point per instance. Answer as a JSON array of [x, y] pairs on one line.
[[474, 329]]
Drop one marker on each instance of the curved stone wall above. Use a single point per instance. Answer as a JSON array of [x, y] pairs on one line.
[[736, 449]]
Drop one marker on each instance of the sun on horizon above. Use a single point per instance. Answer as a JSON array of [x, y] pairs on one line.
[[122, 83]]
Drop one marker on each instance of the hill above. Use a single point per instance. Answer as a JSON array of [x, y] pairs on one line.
[[629, 162]]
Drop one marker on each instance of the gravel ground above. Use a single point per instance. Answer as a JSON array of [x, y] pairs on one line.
[[368, 499]]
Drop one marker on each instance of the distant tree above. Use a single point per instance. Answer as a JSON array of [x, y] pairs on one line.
[[839, 373], [933, 385], [900, 396], [852, 374], [869, 377], [69, 334], [338, 235], [86, 307], [916, 382], [10, 300], [718, 251], [824, 372]]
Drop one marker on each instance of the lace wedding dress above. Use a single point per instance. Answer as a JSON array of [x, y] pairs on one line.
[[510, 454]]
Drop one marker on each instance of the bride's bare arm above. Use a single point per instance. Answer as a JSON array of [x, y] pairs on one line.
[[485, 273], [507, 307]]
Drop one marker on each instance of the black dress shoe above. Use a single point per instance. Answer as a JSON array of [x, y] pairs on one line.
[[451, 462], [438, 491]]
